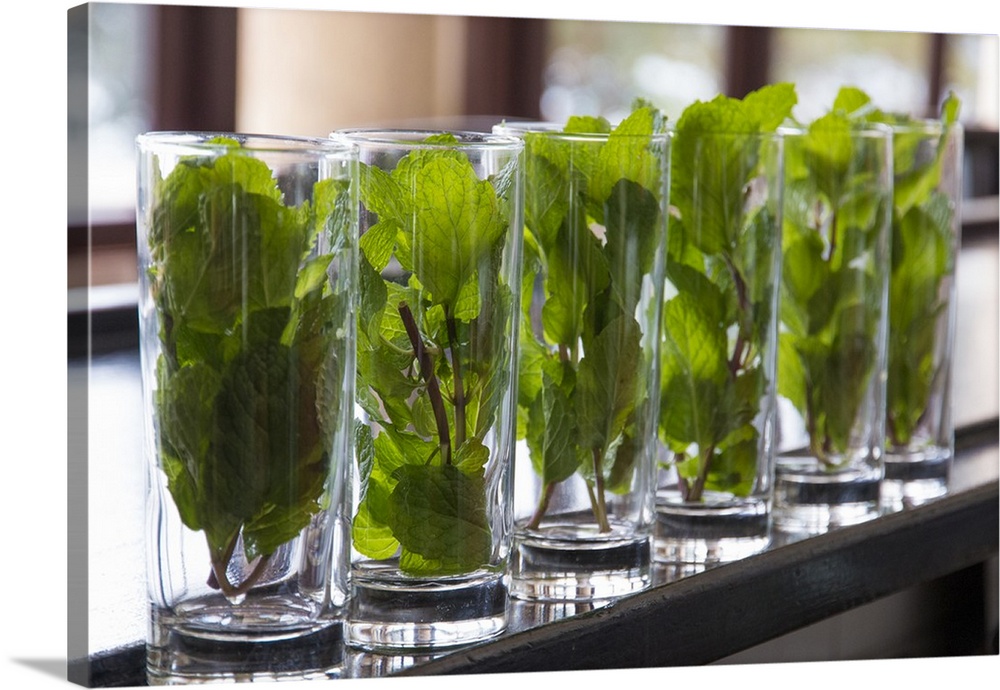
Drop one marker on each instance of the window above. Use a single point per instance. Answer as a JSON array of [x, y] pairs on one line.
[[119, 87], [598, 68], [183, 67], [133, 68], [891, 67]]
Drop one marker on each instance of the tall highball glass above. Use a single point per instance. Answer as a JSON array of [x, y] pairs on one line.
[[834, 324], [247, 262], [440, 267], [596, 206]]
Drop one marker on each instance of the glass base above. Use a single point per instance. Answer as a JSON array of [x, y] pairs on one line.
[[209, 641], [913, 478], [720, 529], [810, 498], [568, 562], [391, 611]]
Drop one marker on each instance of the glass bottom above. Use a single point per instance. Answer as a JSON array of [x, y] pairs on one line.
[[573, 562], [392, 611], [720, 529], [915, 477], [810, 498], [210, 640]]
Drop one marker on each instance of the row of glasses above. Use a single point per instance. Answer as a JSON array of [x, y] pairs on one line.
[[395, 378]]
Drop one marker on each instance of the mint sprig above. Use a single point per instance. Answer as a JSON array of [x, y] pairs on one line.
[[431, 358], [593, 224], [720, 264], [923, 259], [247, 377], [831, 302]]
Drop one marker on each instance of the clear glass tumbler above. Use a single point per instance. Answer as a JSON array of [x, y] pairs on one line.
[[926, 227], [833, 324], [718, 356], [247, 252], [440, 267], [595, 241]]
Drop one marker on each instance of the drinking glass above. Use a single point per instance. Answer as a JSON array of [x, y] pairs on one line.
[[247, 250], [926, 228], [719, 349], [595, 242], [834, 325], [440, 267]]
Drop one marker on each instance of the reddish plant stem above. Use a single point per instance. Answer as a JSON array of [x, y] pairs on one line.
[[543, 506], [427, 373]]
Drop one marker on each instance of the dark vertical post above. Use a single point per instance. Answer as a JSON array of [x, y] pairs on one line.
[[505, 60], [196, 69], [748, 59], [935, 72]]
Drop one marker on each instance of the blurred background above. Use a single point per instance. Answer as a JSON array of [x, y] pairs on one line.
[[310, 72]]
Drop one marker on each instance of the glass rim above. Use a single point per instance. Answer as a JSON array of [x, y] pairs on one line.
[[926, 125], [201, 141], [416, 138], [776, 134], [555, 130], [876, 130]]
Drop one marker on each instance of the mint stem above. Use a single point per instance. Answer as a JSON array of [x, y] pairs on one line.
[[682, 484], [543, 506], [427, 373], [231, 590], [833, 236], [601, 510], [217, 578], [459, 388], [699, 483]]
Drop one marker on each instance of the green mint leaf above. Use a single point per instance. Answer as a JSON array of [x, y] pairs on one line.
[[804, 272], [693, 374], [828, 154], [245, 387], [771, 105], [373, 297], [552, 433], [381, 194], [379, 241], [472, 457], [791, 377], [456, 226], [253, 430], [852, 102], [923, 255], [587, 124], [439, 514], [632, 215], [546, 202], [734, 469], [629, 154], [371, 537], [364, 455], [577, 271], [275, 525], [607, 383]]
